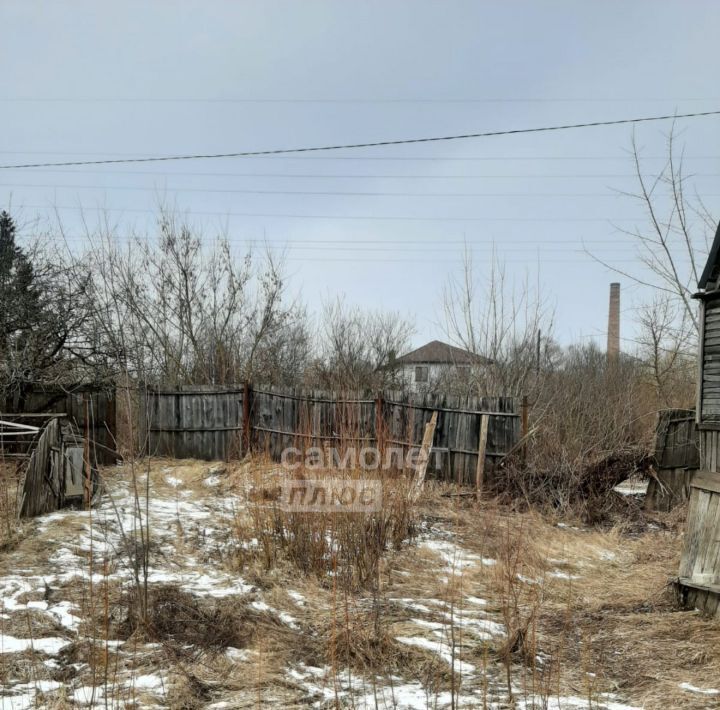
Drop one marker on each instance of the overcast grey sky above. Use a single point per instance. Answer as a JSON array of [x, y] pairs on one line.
[[93, 80]]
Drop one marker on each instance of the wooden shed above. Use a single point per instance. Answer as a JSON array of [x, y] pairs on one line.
[[57, 474], [699, 578]]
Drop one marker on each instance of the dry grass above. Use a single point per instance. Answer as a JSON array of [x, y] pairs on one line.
[[339, 547], [586, 610], [591, 610], [11, 529], [182, 620]]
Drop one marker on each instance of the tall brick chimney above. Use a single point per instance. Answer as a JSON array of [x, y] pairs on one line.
[[613, 331]]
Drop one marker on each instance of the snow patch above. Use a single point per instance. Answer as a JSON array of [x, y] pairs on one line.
[[50, 645], [455, 556], [440, 649], [700, 691]]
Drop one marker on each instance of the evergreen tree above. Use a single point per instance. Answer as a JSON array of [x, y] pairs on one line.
[[20, 306]]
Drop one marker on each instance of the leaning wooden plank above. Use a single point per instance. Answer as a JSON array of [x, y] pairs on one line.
[[40, 489], [699, 500], [699, 584], [424, 456], [706, 481], [482, 447]]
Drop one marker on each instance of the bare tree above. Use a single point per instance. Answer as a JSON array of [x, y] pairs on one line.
[[178, 310], [675, 241], [666, 343], [358, 345], [508, 323]]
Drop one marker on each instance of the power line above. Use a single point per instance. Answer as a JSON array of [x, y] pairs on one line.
[[373, 247], [584, 158], [523, 244], [433, 260], [325, 100], [333, 251], [367, 176], [374, 144], [412, 218], [423, 257], [329, 193]]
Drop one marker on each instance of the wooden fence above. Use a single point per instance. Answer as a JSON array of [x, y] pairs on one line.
[[220, 423], [677, 457], [75, 402]]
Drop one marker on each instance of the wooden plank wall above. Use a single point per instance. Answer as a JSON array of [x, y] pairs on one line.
[[101, 407], [677, 439], [709, 444], [710, 394], [457, 434], [203, 422], [207, 423], [699, 575], [56, 474], [700, 560], [677, 457]]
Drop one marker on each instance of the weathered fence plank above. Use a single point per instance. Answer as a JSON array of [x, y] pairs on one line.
[[219, 422], [194, 422], [677, 457]]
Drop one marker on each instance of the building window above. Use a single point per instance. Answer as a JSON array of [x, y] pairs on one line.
[[421, 373]]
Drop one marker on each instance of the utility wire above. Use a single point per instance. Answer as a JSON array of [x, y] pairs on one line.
[[351, 100], [366, 176], [326, 193], [524, 245], [374, 144], [412, 218], [404, 247], [443, 158]]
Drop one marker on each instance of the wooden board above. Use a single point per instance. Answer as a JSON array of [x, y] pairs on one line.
[[668, 488], [424, 455], [707, 481], [482, 447], [42, 485], [700, 560]]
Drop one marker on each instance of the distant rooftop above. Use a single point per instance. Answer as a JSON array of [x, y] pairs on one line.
[[438, 353]]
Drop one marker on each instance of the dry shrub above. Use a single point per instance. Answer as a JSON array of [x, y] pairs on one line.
[[581, 490], [11, 477], [344, 546], [362, 642], [188, 692], [520, 597], [592, 426], [181, 619]]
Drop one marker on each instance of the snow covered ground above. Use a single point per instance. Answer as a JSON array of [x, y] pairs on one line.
[[56, 584]]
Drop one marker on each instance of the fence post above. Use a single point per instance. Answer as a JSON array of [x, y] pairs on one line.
[[482, 448], [247, 425], [87, 469], [379, 424], [524, 410]]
